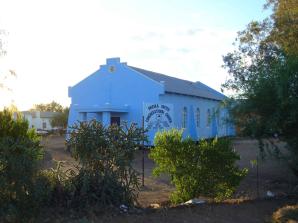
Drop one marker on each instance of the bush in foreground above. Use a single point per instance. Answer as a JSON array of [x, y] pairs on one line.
[[105, 177], [206, 168], [20, 152]]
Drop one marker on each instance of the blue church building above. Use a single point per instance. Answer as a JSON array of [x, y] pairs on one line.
[[118, 92]]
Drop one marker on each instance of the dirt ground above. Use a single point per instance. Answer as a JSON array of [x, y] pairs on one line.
[[254, 211], [251, 211], [274, 176]]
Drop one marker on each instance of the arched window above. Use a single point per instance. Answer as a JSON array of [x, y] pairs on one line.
[[184, 117], [198, 117], [208, 117]]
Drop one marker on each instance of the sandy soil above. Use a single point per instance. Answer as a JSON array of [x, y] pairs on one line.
[[256, 211], [274, 176]]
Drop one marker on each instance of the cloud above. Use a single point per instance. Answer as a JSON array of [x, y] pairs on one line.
[[137, 38], [194, 57], [184, 50], [50, 53], [194, 31], [148, 35]]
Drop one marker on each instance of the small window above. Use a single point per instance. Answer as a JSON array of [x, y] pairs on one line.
[[44, 125], [184, 117], [198, 117], [208, 117]]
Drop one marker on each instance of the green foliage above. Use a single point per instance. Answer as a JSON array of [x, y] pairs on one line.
[[20, 153], [53, 107], [106, 176], [61, 119], [53, 186], [264, 77], [285, 30], [103, 177], [207, 168]]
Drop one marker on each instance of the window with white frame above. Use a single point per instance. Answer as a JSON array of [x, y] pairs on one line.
[[198, 117], [184, 117]]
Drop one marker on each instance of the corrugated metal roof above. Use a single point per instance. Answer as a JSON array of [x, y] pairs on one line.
[[179, 86]]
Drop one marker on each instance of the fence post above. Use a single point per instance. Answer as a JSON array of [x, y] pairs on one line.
[[143, 158]]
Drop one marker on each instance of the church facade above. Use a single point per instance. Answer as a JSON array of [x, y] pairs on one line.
[[118, 92]]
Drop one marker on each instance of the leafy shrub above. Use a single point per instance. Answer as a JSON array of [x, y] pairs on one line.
[[206, 168], [105, 155], [52, 186], [20, 152], [103, 177], [60, 119]]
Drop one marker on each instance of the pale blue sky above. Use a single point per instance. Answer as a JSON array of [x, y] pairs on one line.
[[232, 14], [54, 44]]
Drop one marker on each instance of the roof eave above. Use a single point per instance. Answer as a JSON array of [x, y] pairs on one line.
[[195, 96]]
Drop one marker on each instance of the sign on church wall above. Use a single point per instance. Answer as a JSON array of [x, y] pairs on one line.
[[158, 116]]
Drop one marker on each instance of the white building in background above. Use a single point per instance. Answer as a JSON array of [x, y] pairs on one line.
[[39, 120]]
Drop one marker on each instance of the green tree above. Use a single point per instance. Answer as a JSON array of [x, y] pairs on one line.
[[285, 29], [264, 76], [20, 152], [204, 169], [60, 120], [52, 106]]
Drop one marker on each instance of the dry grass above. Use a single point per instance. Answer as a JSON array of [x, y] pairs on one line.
[[257, 211], [154, 193], [287, 214], [273, 174], [243, 207]]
